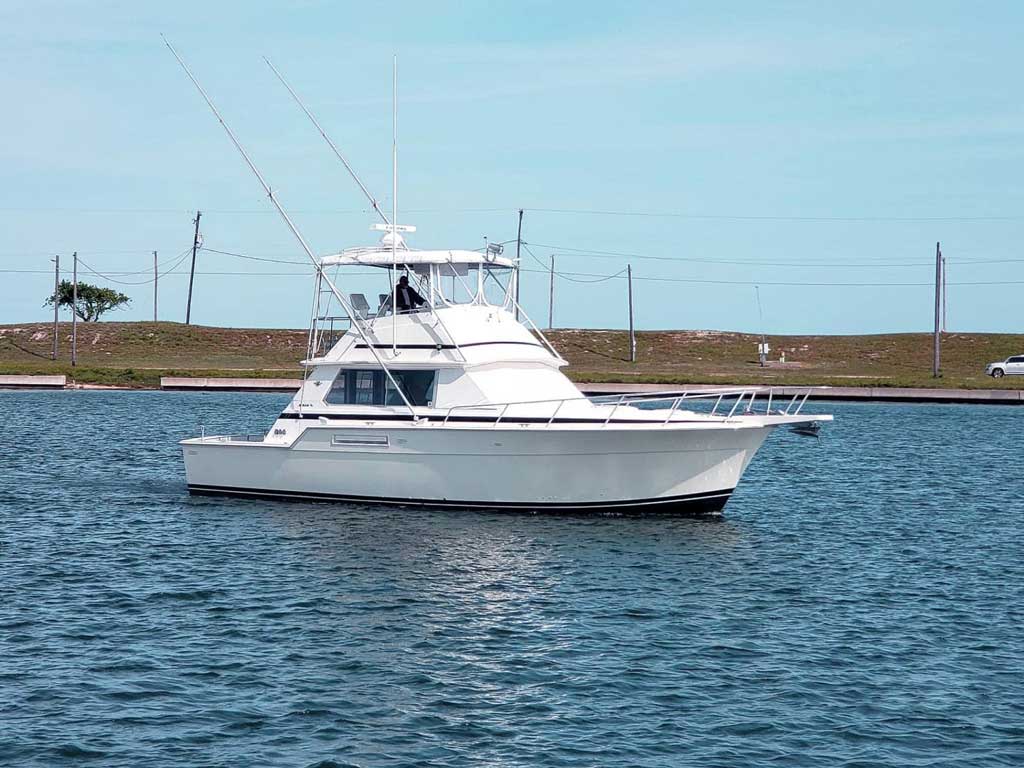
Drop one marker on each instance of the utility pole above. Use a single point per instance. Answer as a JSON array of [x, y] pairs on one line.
[[156, 276], [74, 309], [632, 335], [938, 307], [56, 302], [551, 296], [519, 242], [192, 272], [944, 278]]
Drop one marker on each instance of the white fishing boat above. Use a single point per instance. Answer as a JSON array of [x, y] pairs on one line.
[[458, 404], [442, 396]]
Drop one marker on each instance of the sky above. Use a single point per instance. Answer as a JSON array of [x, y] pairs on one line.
[[809, 154]]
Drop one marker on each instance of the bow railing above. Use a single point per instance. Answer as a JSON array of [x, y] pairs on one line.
[[742, 401]]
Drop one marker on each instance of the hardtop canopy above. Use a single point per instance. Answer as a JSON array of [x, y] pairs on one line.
[[383, 257]]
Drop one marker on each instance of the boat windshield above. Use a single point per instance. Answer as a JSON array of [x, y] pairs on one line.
[[416, 281], [428, 287], [420, 281]]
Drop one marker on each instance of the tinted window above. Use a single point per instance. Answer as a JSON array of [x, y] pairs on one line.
[[372, 387], [418, 386], [1016, 360], [363, 386], [336, 395]]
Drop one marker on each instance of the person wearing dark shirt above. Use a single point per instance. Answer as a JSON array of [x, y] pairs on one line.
[[406, 298]]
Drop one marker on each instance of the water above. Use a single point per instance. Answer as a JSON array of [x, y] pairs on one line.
[[860, 603]]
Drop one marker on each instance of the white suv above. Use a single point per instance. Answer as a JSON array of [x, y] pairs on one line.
[[1013, 364]]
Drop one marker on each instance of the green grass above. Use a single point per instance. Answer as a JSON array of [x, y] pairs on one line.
[[716, 357], [138, 354]]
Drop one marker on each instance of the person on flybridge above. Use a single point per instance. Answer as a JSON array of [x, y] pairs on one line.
[[406, 298]]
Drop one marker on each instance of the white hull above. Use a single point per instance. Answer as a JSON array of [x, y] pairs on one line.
[[624, 468]]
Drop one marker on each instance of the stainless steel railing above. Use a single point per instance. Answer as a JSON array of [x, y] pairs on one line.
[[738, 398]]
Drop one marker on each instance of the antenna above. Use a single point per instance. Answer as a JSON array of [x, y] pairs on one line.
[[294, 230], [330, 143], [394, 204]]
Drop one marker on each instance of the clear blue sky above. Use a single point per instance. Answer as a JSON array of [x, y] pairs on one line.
[[852, 136]]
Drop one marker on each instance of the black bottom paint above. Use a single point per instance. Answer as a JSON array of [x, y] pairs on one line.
[[690, 504]]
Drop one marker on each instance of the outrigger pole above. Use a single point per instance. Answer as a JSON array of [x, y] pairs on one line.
[[394, 208], [294, 230], [392, 274], [337, 152]]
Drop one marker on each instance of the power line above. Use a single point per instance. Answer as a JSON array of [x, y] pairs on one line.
[[778, 283], [745, 217], [569, 275], [707, 281], [557, 249], [564, 250], [565, 275], [179, 259], [255, 258], [576, 277], [513, 209], [244, 211]]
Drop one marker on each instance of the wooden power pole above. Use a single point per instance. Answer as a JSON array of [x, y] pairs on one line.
[[632, 334], [56, 302], [938, 311], [74, 309], [156, 276], [551, 295], [192, 272], [945, 277]]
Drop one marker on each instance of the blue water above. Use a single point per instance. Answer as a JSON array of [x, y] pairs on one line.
[[860, 603]]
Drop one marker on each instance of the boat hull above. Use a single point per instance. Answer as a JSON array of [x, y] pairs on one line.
[[635, 470], [695, 504]]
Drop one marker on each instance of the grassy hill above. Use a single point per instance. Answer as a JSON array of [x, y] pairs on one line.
[[137, 354]]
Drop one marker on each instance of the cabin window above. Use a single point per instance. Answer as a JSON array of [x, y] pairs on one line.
[[372, 387], [418, 386], [336, 395], [363, 386]]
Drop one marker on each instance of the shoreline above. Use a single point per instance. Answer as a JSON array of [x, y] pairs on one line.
[[283, 385], [136, 355]]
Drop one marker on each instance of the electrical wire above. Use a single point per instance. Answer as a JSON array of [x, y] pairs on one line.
[[106, 277], [559, 249], [780, 283], [600, 278], [255, 258], [573, 276], [568, 211], [741, 217]]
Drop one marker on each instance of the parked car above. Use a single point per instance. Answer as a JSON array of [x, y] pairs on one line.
[[1013, 364]]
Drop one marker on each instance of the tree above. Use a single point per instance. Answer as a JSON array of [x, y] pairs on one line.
[[93, 301]]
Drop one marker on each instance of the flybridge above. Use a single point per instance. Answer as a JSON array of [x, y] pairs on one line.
[[380, 256]]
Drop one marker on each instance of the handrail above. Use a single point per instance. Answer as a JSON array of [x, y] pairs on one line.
[[748, 394]]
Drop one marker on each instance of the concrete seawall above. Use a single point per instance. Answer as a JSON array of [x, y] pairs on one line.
[[865, 394], [19, 381], [183, 383]]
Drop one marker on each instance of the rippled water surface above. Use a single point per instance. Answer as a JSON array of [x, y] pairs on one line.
[[859, 603]]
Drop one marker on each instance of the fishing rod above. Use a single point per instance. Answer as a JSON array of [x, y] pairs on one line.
[[330, 143], [294, 230]]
